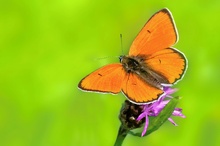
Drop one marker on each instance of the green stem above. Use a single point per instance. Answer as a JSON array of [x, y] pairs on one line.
[[122, 133]]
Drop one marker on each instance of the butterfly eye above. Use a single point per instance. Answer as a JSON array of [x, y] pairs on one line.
[[120, 58]]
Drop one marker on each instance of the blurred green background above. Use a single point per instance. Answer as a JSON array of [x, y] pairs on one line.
[[47, 47]]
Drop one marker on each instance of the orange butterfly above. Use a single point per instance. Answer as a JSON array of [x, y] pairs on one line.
[[150, 65]]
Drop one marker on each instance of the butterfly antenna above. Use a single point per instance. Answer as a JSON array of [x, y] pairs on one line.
[[114, 56], [100, 58], [121, 44]]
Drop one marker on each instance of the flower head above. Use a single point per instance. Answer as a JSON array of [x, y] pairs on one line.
[[153, 109]]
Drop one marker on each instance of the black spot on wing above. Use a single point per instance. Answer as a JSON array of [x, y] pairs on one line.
[[160, 61]]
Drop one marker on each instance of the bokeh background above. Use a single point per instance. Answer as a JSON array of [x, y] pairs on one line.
[[46, 47]]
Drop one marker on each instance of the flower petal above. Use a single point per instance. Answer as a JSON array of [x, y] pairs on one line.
[[171, 120], [178, 112], [169, 90], [145, 126], [141, 116]]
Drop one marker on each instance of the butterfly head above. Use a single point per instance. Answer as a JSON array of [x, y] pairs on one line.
[[130, 64]]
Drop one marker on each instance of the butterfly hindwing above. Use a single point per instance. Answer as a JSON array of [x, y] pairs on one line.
[[139, 91], [169, 63]]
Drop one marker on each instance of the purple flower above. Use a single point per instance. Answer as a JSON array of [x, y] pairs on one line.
[[153, 109]]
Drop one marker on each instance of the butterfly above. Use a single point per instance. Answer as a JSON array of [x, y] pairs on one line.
[[151, 65]]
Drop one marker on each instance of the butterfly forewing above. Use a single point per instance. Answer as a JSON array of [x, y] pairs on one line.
[[157, 34], [106, 79]]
